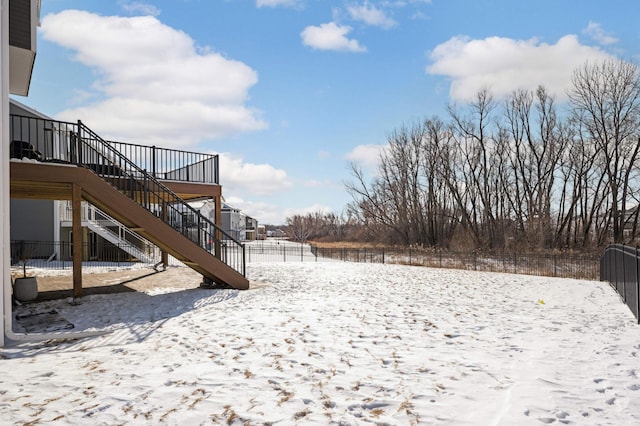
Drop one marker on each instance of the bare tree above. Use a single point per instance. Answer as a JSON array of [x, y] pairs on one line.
[[300, 227], [395, 198], [476, 180], [525, 176], [440, 210], [538, 142], [605, 99]]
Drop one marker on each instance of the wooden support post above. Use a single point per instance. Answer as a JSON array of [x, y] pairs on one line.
[[76, 203]]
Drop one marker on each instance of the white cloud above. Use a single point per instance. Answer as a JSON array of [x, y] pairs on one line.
[[264, 213], [139, 7], [367, 156], [371, 15], [504, 64], [248, 178], [330, 36], [277, 3], [597, 33], [156, 86]]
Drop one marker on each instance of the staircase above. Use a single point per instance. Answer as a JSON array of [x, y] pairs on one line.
[[116, 185], [103, 225]]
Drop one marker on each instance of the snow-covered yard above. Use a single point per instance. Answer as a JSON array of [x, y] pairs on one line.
[[341, 343]]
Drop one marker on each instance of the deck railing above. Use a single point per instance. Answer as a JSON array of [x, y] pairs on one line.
[[41, 139], [111, 230], [172, 164]]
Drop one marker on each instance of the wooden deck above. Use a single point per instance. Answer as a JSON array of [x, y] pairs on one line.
[[32, 180]]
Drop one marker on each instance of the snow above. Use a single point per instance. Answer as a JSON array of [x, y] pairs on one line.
[[337, 343]]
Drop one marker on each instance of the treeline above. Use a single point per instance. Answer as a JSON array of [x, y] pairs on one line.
[[516, 174], [320, 226]]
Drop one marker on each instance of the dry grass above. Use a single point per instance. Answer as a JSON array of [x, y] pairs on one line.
[[346, 244]]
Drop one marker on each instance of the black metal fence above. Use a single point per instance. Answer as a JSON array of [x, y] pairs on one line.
[[619, 265], [551, 265], [29, 256], [57, 255], [274, 251]]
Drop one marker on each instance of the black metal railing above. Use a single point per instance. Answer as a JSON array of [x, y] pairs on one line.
[[619, 265], [260, 252], [27, 256], [75, 143], [172, 164], [49, 140], [551, 265]]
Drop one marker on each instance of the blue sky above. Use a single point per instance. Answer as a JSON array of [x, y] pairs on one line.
[[288, 92]]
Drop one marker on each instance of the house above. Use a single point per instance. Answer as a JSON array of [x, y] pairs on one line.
[[147, 190], [18, 22], [32, 220], [250, 229], [276, 233], [262, 232], [237, 224], [233, 222]]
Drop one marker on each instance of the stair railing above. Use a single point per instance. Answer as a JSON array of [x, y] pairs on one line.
[[95, 153], [125, 239]]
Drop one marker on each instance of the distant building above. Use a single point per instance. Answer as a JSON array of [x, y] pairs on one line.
[[276, 233], [262, 232], [237, 224], [251, 229]]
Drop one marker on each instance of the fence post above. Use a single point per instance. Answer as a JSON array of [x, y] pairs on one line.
[[153, 161], [624, 275], [612, 268], [637, 287], [78, 156], [383, 255]]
